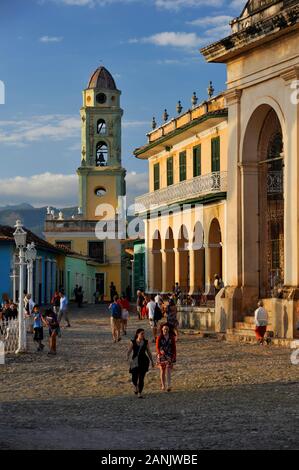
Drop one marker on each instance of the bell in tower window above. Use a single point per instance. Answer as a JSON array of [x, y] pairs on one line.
[[101, 154]]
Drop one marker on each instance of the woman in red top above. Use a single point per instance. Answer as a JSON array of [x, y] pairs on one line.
[[144, 313], [166, 355], [125, 308]]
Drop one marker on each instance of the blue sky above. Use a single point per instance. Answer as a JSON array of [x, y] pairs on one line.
[[49, 48]]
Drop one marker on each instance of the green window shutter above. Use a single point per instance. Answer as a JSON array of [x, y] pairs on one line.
[[156, 176], [169, 171], [182, 159], [215, 143], [197, 160]]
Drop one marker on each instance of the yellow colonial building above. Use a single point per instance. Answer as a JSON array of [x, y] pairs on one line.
[[247, 180], [184, 212], [93, 231]]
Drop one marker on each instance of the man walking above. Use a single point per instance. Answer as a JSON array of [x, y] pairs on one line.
[[151, 308], [63, 309], [261, 322], [115, 309]]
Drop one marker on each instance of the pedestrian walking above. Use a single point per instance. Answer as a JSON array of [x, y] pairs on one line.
[[139, 303], [38, 328], [177, 290], [261, 322], [141, 358], [80, 295], [55, 302], [28, 308], [172, 321], [115, 309], [63, 309], [76, 293], [129, 293], [166, 356], [50, 320], [125, 308], [112, 291], [144, 313], [151, 311], [159, 300]]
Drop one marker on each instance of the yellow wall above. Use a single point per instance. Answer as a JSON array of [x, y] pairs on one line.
[[112, 268], [106, 181], [205, 142]]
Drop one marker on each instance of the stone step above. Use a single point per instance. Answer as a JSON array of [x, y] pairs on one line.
[[248, 336], [249, 326]]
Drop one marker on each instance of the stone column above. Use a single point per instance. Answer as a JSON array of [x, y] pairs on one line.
[[48, 286], [291, 178], [164, 271], [54, 275], [233, 225], [37, 271], [192, 287], [177, 276], [250, 231], [208, 280]]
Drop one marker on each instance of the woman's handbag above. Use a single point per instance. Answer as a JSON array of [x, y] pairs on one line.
[[135, 361]]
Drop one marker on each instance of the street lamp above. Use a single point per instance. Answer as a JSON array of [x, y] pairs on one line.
[[20, 240]]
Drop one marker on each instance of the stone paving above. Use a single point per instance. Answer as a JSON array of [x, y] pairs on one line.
[[225, 396]]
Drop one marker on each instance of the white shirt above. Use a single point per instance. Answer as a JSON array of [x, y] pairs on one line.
[[158, 299], [151, 309], [260, 317], [63, 303], [31, 305]]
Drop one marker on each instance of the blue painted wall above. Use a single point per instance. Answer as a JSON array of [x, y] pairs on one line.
[[6, 253]]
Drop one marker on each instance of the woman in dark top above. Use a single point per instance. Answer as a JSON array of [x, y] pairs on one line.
[[166, 355], [50, 320], [141, 358]]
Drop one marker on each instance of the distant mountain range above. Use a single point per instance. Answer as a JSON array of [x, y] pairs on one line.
[[33, 218]]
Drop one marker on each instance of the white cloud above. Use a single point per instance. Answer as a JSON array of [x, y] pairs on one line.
[[132, 124], [174, 5], [50, 39], [178, 4], [173, 39], [39, 190], [137, 184], [211, 21], [35, 128], [90, 3], [57, 189], [219, 25], [49, 127]]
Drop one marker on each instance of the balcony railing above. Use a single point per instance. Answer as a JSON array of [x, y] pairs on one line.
[[215, 182]]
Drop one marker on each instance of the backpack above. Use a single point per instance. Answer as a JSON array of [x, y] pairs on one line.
[[116, 311], [157, 313]]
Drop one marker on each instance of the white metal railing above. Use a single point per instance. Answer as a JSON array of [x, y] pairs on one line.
[[188, 189], [9, 334]]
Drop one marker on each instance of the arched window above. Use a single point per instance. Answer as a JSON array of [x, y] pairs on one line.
[[101, 126], [101, 154]]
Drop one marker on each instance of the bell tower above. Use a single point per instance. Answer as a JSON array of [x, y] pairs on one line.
[[101, 176]]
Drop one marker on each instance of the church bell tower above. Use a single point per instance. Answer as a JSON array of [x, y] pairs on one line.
[[101, 176]]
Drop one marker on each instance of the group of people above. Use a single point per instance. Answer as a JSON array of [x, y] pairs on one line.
[[8, 309], [119, 308], [141, 357], [162, 318]]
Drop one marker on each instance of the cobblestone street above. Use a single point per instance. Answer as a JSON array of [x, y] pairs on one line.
[[224, 395]]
